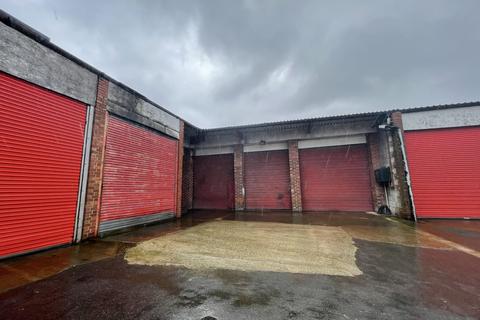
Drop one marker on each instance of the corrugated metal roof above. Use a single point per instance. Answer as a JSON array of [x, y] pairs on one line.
[[439, 107], [353, 116], [299, 121]]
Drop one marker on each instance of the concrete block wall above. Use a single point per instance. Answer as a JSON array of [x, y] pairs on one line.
[[130, 105], [306, 130], [25, 58], [461, 115]]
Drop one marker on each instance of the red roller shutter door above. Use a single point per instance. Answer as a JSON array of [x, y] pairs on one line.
[[444, 166], [41, 145], [213, 186], [336, 178], [139, 177], [267, 180]]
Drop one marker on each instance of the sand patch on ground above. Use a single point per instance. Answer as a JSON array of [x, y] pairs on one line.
[[253, 246]]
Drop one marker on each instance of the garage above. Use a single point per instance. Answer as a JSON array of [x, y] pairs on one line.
[[41, 150], [444, 167], [213, 186], [267, 180], [335, 178], [139, 177]]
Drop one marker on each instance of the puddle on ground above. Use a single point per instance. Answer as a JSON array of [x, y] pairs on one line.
[[253, 246], [396, 234], [18, 271]]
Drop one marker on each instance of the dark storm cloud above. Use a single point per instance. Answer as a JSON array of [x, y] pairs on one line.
[[231, 62]]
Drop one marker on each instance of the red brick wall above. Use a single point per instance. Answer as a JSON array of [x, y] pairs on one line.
[[95, 171], [238, 176], [180, 169], [187, 180], [295, 182], [396, 118], [378, 193]]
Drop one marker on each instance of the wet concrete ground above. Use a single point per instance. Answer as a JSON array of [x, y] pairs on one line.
[[427, 272]]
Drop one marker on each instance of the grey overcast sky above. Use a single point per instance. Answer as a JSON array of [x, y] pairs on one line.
[[233, 62]]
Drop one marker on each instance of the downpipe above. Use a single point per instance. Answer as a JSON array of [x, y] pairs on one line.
[[407, 172], [405, 163]]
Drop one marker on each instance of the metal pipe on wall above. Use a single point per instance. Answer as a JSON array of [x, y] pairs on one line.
[[407, 172], [82, 189]]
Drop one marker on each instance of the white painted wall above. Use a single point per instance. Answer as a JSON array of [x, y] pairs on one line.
[[446, 118]]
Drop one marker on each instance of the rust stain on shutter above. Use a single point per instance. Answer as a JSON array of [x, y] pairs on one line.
[[139, 175]]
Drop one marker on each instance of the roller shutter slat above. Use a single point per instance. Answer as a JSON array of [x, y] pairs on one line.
[[139, 176], [267, 180], [213, 182], [335, 179], [40, 157], [444, 167]]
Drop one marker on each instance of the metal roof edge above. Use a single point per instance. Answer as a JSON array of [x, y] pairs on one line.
[[297, 121], [437, 107], [347, 116]]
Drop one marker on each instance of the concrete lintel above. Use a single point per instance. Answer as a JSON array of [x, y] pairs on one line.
[[332, 141], [130, 115], [265, 147], [135, 104], [213, 151], [271, 136]]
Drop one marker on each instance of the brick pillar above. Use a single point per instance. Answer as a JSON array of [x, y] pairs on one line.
[[295, 179], [378, 193], [398, 167], [187, 180], [180, 169], [238, 176], [95, 171]]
